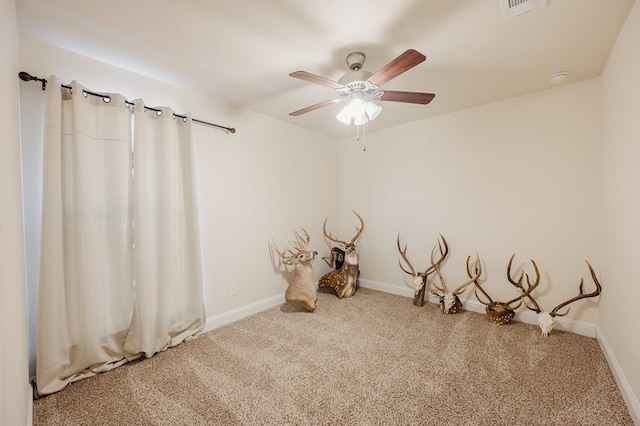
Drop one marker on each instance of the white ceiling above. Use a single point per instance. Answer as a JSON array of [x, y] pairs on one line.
[[242, 51]]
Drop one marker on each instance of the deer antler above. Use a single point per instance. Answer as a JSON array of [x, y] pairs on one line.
[[302, 241], [476, 274], [344, 243], [435, 265], [518, 284], [403, 253], [282, 252], [477, 266], [355, 238], [524, 293], [582, 295], [300, 244], [499, 312]]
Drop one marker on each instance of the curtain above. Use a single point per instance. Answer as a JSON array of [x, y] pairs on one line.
[[169, 303], [120, 268], [86, 275]]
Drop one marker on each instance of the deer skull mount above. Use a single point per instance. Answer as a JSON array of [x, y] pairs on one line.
[[302, 288], [344, 280], [449, 301], [419, 278], [503, 312], [546, 320]]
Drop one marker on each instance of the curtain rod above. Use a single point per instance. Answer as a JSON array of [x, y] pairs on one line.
[[25, 76]]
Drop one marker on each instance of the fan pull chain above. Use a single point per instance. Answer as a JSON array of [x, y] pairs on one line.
[[364, 136]]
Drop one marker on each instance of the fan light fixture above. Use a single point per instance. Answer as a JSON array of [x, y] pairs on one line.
[[358, 110], [359, 90]]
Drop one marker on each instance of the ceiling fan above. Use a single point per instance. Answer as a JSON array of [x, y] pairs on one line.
[[363, 87]]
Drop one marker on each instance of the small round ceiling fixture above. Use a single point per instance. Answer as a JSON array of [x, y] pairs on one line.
[[558, 77]]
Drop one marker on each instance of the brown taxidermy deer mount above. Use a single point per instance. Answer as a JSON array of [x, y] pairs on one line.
[[503, 312], [344, 280], [302, 288], [546, 320]]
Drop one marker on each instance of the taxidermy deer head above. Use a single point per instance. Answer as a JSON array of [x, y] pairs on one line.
[[336, 257], [546, 320], [419, 278], [302, 288], [503, 312], [344, 280]]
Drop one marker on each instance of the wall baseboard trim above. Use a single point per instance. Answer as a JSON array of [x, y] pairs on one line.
[[30, 406], [528, 317], [242, 312], [621, 380]]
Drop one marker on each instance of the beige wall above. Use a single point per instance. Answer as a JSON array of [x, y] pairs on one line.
[[519, 176], [620, 231], [14, 379]]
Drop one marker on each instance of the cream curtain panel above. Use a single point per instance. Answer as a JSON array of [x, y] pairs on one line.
[[169, 306], [120, 272]]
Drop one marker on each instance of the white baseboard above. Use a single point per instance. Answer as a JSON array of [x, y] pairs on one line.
[[242, 312], [30, 407], [527, 317], [621, 380]]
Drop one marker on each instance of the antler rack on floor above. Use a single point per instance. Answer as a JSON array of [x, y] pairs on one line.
[[25, 76]]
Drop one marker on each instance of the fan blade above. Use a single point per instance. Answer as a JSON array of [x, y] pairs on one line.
[[307, 76], [313, 107], [409, 97], [409, 59]]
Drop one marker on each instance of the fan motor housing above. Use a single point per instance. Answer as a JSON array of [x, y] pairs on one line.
[[353, 76]]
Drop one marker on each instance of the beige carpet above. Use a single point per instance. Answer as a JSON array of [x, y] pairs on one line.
[[372, 359]]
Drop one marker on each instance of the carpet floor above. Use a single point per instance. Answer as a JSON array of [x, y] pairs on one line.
[[372, 359]]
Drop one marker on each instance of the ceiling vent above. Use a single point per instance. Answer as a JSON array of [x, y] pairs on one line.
[[513, 8]]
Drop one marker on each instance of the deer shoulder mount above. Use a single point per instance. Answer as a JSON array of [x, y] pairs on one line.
[[546, 320], [302, 288], [344, 280], [503, 312]]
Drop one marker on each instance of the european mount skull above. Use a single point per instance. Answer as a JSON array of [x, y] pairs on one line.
[[449, 301], [546, 320]]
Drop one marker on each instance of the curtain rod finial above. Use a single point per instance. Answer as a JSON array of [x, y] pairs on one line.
[[25, 76]]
